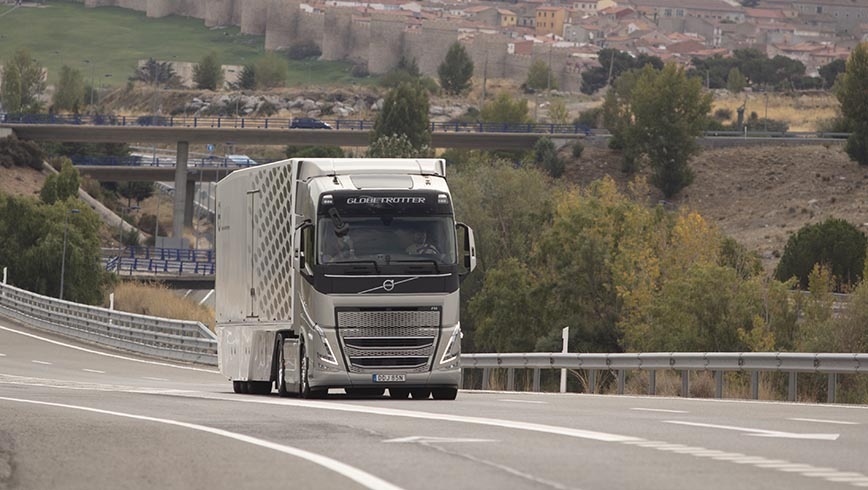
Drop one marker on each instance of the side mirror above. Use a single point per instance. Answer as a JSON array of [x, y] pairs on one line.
[[468, 248], [304, 241]]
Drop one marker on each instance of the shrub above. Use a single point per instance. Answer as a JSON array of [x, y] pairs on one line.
[[304, 50], [15, 152], [578, 149], [835, 243], [591, 117]]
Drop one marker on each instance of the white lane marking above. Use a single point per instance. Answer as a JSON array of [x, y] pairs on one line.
[[207, 296], [759, 462], [361, 477], [822, 421], [154, 379], [662, 410], [188, 293], [2, 355], [114, 356], [759, 432], [93, 371], [44, 363], [535, 402], [436, 440]]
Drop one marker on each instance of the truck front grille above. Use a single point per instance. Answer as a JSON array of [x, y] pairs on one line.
[[376, 339]]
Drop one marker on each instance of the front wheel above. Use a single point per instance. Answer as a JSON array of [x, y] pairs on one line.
[[444, 393]]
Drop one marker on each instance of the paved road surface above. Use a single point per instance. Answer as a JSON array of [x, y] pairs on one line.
[[75, 416]]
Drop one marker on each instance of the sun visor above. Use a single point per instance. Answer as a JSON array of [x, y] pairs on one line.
[[382, 181]]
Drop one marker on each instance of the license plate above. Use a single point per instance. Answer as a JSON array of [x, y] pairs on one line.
[[389, 378]]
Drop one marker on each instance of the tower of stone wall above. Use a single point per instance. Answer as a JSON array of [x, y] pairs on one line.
[[254, 15], [337, 42], [387, 43], [218, 12], [159, 8], [281, 24], [311, 27], [361, 39], [430, 46]]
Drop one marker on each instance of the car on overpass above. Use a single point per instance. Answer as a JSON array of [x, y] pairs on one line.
[[240, 160], [308, 123]]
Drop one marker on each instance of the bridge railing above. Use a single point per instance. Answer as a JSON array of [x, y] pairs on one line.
[[177, 340]]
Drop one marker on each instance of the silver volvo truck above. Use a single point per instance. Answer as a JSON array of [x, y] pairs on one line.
[[340, 273]]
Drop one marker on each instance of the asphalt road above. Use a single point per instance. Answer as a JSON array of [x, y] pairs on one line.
[[76, 416]]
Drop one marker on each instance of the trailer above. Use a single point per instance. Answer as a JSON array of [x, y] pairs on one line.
[[340, 274]]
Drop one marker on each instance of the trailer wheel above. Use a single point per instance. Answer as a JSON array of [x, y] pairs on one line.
[[237, 386], [281, 366], [444, 393], [259, 387]]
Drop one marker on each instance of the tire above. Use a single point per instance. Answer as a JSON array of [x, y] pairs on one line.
[[399, 393], [444, 393], [306, 391], [237, 386], [259, 387], [420, 393], [281, 374], [245, 387]]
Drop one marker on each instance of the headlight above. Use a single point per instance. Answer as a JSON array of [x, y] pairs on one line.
[[329, 355], [453, 348]]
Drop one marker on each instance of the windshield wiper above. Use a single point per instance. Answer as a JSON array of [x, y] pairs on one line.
[[350, 262], [421, 261]]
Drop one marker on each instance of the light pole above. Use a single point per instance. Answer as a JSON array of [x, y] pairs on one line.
[[92, 74], [63, 258], [126, 210]]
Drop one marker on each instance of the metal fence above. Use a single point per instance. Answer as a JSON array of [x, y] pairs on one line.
[[791, 363], [169, 339]]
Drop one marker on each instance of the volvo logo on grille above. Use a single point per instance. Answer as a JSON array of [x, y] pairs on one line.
[[389, 284]]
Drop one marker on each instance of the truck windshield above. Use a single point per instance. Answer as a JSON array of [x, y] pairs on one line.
[[387, 240]]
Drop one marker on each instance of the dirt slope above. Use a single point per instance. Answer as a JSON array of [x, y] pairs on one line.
[[759, 195]]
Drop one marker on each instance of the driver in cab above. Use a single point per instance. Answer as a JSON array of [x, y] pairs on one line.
[[420, 245]]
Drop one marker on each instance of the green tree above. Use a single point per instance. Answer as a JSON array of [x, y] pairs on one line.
[[852, 87], [735, 81], [61, 186], [271, 71], [659, 115], [247, 78], [208, 73], [292, 151], [22, 84], [829, 72], [613, 64], [505, 109], [31, 245], [405, 112], [138, 191], [540, 77], [834, 243], [156, 72], [545, 155], [456, 70], [69, 95], [558, 113], [396, 146]]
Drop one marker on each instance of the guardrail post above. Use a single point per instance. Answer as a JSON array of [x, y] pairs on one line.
[[510, 379], [652, 382], [592, 380], [622, 379], [718, 384], [4, 275], [536, 379], [685, 383], [754, 385], [794, 386], [485, 373], [833, 385]]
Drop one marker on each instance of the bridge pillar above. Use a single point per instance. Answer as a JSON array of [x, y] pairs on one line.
[[180, 202], [189, 204]]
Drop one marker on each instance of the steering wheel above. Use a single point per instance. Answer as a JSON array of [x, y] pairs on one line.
[[427, 249]]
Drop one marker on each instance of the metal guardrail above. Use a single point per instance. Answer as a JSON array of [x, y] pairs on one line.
[[160, 337], [193, 342], [718, 362]]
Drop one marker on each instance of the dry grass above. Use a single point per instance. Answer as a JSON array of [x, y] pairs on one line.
[[160, 301], [803, 112]]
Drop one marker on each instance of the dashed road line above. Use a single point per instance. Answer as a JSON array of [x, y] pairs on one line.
[[44, 363], [822, 421], [661, 410], [93, 371]]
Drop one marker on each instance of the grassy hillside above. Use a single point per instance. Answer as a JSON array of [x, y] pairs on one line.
[[61, 33]]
